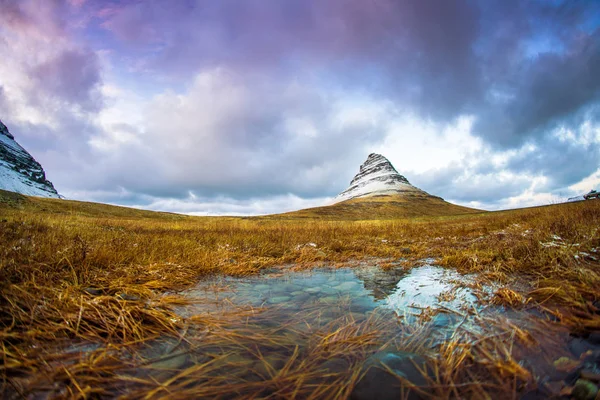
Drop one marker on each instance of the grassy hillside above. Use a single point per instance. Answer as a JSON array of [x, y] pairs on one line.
[[83, 271], [11, 202], [70, 242], [383, 207], [365, 208]]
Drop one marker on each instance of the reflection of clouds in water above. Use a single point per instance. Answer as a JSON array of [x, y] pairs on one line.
[[293, 290], [301, 308], [429, 286], [363, 288]]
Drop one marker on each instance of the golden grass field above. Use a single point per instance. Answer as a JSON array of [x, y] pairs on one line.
[[90, 272]]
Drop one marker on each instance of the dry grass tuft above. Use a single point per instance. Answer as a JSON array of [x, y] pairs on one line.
[[509, 298]]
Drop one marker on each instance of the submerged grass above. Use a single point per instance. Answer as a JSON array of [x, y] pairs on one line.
[[74, 272]]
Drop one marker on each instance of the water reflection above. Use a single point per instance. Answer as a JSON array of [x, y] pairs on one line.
[[431, 286], [362, 289], [311, 334]]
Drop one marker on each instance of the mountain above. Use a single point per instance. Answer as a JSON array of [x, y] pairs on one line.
[[378, 191], [19, 171], [377, 177]]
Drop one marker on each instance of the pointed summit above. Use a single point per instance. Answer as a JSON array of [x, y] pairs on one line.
[[377, 177], [379, 192]]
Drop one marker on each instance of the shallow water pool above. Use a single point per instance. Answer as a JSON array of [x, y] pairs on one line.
[[321, 333], [361, 289]]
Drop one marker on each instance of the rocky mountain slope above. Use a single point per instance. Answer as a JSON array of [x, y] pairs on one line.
[[377, 177], [378, 191], [19, 171]]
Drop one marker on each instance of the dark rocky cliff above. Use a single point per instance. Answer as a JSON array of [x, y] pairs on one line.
[[19, 171]]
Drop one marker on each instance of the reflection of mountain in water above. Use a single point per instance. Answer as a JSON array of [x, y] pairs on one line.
[[379, 283]]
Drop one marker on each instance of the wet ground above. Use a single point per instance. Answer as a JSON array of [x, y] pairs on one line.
[[404, 294], [385, 319], [363, 332]]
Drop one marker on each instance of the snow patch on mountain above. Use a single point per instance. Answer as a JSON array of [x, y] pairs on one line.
[[19, 171], [377, 177]]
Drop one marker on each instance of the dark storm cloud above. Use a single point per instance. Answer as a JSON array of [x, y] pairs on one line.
[[223, 114], [72, 76], [438, 58], [47, 72], [51, 84], [51, 23], [545, 93], [417, 52]]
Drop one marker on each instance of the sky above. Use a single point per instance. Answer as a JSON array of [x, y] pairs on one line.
[[261, 106]]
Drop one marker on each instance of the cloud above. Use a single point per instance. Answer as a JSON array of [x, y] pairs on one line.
[[204, 206], [46, 72], [415, 52], [562, 158], [547, 168], [72, 76], [229, 135], [183, 103], [516, 67], [49, 82], [42, 21], [546, 91], [4, 103]]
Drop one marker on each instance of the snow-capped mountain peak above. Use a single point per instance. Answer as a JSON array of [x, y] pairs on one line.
[[4, 131], [377, 177], [19, 171]]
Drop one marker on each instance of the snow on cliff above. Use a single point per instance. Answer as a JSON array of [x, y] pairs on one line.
[[377, 176], [19, 171]]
